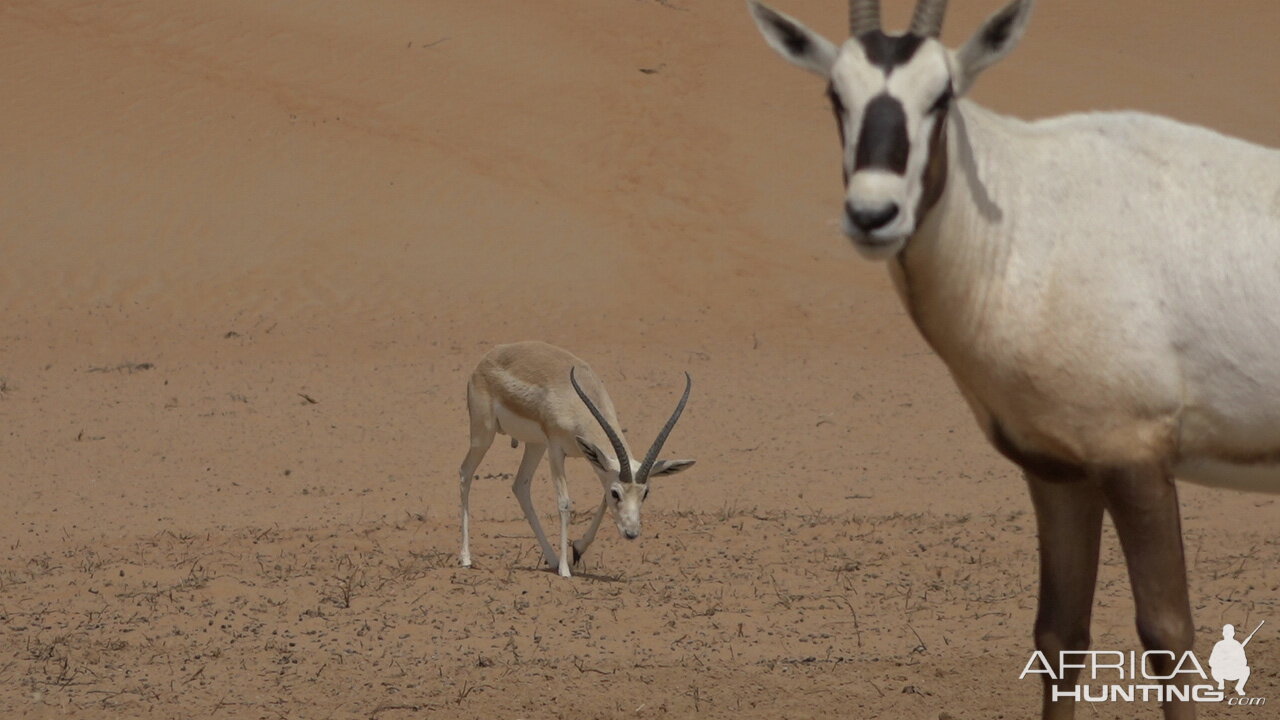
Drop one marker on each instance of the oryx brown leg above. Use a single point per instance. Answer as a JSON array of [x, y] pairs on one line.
[[1143, 503], [1069, 519]]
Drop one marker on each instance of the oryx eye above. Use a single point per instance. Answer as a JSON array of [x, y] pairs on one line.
[[617, 497], [941, 103], [836, 104]]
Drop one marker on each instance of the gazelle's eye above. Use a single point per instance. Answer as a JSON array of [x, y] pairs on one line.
[[616, 496], [646, 493]]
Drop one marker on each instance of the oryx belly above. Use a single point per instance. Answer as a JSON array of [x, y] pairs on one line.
[[1261, 477]]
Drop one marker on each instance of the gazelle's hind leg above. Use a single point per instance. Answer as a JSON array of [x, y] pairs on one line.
[[466, 473], [1143, 503], [521, 487], [482, 432]]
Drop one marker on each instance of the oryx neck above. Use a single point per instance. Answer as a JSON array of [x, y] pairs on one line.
[[952, 266]]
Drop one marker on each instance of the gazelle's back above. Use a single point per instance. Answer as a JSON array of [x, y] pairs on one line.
[[534, 377]]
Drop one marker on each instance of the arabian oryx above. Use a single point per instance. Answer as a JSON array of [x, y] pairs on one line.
[[551, 400], [1104, 288]]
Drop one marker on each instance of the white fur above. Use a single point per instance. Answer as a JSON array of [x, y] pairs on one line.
[[517, 427], [1108, 287], [916, 85], [1104, 286], [1105, 290]]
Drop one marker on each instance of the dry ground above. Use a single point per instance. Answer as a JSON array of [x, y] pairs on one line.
[[249, 252]]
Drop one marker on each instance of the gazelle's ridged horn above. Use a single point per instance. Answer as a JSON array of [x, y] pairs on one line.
[[864, 16], [927, 20], [624, 463], [642, 475]]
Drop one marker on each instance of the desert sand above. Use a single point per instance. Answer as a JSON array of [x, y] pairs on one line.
[[249, 252]]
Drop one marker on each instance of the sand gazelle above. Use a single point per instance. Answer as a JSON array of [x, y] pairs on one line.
[[553, 402], [1104, 289]]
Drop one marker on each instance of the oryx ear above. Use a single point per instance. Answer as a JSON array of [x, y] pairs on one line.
[[794, 41], [993, 41], [670, 467], [593, 454]]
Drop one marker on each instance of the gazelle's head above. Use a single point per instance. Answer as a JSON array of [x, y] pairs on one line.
[[626, 482], [891, 95]]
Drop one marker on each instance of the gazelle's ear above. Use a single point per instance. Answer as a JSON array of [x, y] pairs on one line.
[[993, 41], [670, 467], [593, 454], [794, 41]]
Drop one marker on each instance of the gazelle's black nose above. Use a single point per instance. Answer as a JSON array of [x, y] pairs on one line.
[[868, 219], [631, 534]]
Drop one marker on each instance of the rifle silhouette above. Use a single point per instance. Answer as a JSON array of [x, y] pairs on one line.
[[1246, 640]]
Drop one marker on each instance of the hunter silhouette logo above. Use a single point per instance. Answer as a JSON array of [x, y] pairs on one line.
[[1115, 676], [1228, 661]]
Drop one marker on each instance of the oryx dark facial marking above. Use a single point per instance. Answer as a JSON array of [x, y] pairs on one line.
[[935, 172], [889, 51], [837, 107], [883, 142], [891, 95]]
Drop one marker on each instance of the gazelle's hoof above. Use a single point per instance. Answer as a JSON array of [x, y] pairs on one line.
[[564, 572], [466, 562]]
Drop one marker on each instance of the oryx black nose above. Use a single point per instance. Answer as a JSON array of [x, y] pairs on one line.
[[868, 219]]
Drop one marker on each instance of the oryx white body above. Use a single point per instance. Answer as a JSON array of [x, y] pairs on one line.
[[1104, 288], [527, 391]]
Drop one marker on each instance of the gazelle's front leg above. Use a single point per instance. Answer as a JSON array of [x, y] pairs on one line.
[[564, 504], [1143, 503], [1069, 520], [520, 486], [580, 546]]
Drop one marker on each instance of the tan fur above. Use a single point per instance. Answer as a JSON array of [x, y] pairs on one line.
[[532, 380], [528, 387]]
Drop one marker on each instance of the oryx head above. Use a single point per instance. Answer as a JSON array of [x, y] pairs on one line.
[[626, 482], [891, 95]]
